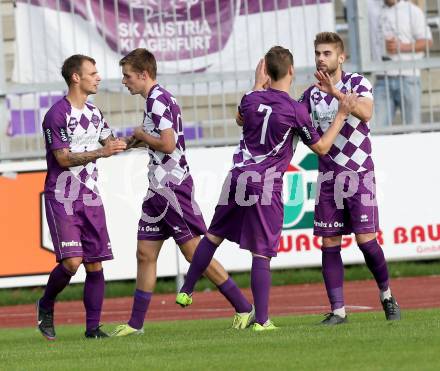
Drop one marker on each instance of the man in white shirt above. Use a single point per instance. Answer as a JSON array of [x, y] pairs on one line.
[[399, 33]]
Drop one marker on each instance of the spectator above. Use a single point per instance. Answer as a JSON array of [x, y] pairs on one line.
[[399, 33]]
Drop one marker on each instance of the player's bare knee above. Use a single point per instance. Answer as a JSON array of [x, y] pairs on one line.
[[93, 267], [331, 241], [72, 264], [188, 256], [144, 256], [214, 239], [364, 237], [140, 255]]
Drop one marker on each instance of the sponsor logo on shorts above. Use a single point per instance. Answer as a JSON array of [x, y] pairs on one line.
[[149, 229], [364, 218], [321, 224], [70, 243], [177, 229]]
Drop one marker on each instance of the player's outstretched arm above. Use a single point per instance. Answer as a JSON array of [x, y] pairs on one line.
[[323, 145], [132, 142], [166, 143], [364, 106], [65, 158]]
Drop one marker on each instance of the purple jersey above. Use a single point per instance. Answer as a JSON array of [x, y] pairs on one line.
[[352, 147], [162, 112], [79, 130], [273, 122]]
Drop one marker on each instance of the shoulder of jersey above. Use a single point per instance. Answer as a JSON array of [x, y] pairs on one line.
[[255, 91], [350, 75], [91, 106], [58, 107], [157, 92]]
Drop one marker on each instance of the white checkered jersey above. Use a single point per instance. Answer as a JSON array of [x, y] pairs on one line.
[[162, 112], [352, 147]]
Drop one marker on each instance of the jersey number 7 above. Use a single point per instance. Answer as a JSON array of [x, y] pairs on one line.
[[268, 109]]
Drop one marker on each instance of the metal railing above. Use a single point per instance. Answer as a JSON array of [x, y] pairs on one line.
[[208, 96]]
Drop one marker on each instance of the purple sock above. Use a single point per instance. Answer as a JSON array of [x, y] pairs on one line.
[[200, 261], [260, 285], [233, 294], [376, 262], [94, 287], [333, 273], [59, 278], [141, 301]]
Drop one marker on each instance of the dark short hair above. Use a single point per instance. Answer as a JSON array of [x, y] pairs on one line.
[[278, 61], [329, 38], [140, 60], [73, 65]]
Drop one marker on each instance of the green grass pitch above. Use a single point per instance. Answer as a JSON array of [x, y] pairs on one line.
[[367, 342]]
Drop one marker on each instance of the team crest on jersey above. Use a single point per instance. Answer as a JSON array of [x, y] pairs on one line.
[[95, 120], [316, 97], [73, 123]]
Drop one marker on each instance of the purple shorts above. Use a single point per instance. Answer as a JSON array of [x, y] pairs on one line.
[[345, 205], [171, 212], [79, 231], [256, 227]]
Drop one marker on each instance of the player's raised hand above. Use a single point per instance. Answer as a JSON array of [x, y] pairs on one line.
[[325, 83], [262, 79], [347, 103], [113, 146]]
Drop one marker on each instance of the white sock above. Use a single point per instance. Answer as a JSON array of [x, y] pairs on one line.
[[385, 294], [340, 312]]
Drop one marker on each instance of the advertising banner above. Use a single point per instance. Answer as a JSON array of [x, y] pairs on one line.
[[186, 36], [407, 195]]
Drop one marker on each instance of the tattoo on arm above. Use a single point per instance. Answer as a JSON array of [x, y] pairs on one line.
[[68, 159]]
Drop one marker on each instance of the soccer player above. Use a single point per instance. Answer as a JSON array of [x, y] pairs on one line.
[[346, 200], [250, 210], [169, 209], [74, 131]]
